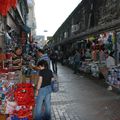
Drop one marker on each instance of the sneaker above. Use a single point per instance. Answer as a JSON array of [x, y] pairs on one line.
[[109, 88]]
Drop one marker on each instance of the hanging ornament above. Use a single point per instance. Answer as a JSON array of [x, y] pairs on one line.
[[5, 6]]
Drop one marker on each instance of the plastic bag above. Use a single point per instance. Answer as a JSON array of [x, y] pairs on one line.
[[55, 85]]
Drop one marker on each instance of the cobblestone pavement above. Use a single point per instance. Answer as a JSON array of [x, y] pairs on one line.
[[79, 98]]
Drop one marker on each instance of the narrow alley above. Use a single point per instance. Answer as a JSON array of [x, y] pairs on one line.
[[79, 98]]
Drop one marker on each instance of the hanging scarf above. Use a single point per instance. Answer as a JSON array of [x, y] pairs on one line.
[[5, 6]]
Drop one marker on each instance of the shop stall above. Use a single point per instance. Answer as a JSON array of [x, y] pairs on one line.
[[97, 47], [16, 96], [16, 99]]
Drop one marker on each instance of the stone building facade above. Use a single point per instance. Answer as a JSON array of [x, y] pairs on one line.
[[89, 17]]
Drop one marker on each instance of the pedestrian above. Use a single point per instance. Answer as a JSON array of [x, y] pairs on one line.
[[41, 55], [17, 59], [54, 58], [17, 63], [43, 91], [76, 61], [110, 62]]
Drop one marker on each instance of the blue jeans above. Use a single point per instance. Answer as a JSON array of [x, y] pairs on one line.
[[44, 96]]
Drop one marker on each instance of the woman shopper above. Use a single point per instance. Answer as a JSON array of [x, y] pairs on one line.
[[17, 59], [40, 55], [17, 62], [43, 92]]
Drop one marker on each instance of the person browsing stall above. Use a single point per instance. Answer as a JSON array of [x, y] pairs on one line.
[[41, 55], [54, 58], [17, 59], [43, 91]]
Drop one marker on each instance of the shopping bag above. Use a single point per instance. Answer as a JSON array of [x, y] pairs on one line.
[[55, 85]]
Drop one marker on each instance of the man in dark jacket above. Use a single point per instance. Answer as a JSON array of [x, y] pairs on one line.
[[54, 58]]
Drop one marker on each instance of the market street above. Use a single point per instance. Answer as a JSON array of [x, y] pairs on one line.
[[80, 98]]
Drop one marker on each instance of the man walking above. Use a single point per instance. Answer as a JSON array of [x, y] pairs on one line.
[[54, 58]]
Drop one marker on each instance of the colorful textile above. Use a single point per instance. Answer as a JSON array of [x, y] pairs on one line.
[[5, 6]]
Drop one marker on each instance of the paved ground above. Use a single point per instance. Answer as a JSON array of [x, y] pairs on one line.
[[80, 98]]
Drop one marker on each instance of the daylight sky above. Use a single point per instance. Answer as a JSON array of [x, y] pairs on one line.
[[50, 14]]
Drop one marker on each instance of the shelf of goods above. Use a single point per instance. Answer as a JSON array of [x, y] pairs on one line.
[[16, 99], [85, 66], [113, 77]]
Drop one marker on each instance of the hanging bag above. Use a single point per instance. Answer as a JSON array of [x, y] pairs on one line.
[[55, 84]]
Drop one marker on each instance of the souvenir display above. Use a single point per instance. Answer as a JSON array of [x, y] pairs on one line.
[[16, 99], [113, 77], [24, 97]]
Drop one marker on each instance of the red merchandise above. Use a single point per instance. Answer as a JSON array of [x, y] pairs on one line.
[[5, 6], [24, 94], [2, 56], [13, 3], [24, 112], [8, 55], [1, 6], [5, 70]]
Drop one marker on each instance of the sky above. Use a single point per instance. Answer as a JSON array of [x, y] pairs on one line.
[[50, 14]]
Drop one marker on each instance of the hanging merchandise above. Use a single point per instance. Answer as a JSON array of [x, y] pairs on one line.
[[5, 6], [108, 39], [13, 3], [2, 58], [91, 38], [94, 55]]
